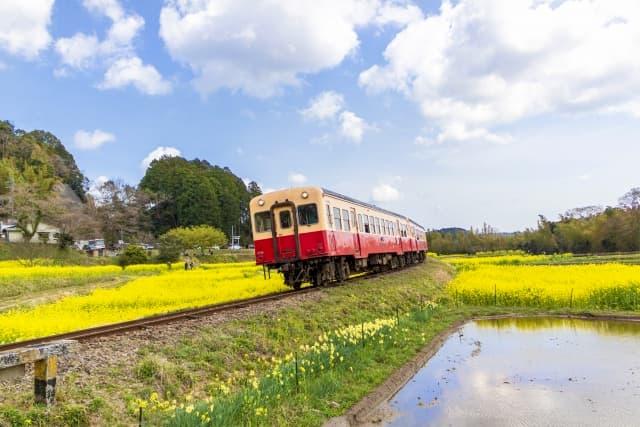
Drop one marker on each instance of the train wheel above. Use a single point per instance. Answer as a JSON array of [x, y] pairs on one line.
[[346, 271], [342, 270], [297, 286]]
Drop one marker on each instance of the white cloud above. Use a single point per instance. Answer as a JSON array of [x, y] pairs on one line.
[[296, 178], [385, 193], [131, 71], [260, 46], [329, 106], [115, 52], [94, 188], [3, 66], [352, 127], [24, 26], [324, 106], [424, 141], [91, 140], [398, 14], [479, 64], [78, 51], [159, 153]]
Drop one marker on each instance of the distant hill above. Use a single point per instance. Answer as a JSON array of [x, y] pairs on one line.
[[451, 230], [38, 156]]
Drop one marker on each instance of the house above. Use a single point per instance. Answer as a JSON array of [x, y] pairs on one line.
[[93, 247], [45, 233]]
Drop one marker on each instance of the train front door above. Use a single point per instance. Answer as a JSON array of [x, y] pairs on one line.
[[285, 232], [356, 235]]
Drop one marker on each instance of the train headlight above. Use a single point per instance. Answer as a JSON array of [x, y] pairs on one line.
[[305, 195], [261, 202]]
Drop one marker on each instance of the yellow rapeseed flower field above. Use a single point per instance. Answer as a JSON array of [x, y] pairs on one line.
[[592, 285], [168, 291]]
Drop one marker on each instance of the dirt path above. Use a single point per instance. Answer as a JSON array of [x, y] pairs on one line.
[[50, 295]]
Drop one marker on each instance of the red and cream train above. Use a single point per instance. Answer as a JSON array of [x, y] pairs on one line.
[[311, 234]]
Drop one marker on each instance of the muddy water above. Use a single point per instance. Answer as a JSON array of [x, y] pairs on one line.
[[533, 371]]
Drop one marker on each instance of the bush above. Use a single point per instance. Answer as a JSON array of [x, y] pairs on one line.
[[132, 254], [196, 238], [170, 248]]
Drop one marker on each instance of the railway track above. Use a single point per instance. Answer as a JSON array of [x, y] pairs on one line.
[[191, 313]]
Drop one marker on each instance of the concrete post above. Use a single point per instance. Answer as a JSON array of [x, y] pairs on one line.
[[45, 372]]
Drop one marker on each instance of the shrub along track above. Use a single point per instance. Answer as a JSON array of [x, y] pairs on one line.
[[192, 313]]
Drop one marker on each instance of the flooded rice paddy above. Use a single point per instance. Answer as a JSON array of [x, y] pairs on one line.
[[528, 371]]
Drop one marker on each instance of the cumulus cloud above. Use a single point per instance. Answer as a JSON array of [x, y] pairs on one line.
[[159, 153], [296, 178], [78, 51], [91, 140], [480, 64], [324, 106], [94, 188], [115, 51], [352, 127], [24, 26], [399, 14], [260, 46], [384, 193], [131, 71], [330, 106]]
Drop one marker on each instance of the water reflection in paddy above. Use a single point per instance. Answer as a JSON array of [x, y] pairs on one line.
[[528, 371]]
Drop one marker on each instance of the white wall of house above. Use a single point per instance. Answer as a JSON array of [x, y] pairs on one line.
[[45, 234]]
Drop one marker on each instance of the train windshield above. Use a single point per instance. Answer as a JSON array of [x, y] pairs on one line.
[[263, 221], [307, 214]]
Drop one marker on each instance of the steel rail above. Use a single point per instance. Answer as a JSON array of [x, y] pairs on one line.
[[189, 313]]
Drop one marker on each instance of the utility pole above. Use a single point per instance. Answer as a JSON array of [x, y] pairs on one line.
[[235, 240]]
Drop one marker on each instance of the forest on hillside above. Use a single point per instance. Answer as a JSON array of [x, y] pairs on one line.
[[41, 182], [590, 229]]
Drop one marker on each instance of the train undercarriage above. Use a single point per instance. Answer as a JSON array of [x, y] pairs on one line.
[[322, 271]]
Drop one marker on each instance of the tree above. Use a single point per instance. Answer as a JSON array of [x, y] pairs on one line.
[[131, 255], [122, 211], [194, 192], [170, 248], [195, 238]]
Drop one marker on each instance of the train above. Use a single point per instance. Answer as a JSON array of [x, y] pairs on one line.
[[314, 235]]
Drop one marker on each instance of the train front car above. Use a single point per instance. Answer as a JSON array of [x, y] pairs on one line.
[[310, 234], [288, 231]]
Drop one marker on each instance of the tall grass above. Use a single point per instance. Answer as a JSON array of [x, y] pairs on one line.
[[310, 373]]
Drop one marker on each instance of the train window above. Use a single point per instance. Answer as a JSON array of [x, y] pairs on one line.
[[360, 224], [307, 214], [337, 220], [285, 219], [346, 226], [385, 230], [353, 220], [263, 221], [365, 222], [377, 225], [329, 216]]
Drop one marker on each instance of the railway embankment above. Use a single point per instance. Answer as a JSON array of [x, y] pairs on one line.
[[109, 378]]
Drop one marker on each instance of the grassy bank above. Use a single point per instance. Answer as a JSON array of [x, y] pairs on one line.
[[199, 363], [243, 371]]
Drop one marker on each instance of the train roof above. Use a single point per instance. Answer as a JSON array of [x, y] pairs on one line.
[[367, 205]]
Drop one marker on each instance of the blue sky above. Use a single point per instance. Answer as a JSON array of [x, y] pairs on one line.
[[455, 114]]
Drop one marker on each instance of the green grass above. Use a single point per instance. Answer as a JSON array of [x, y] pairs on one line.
[[199, 363]]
